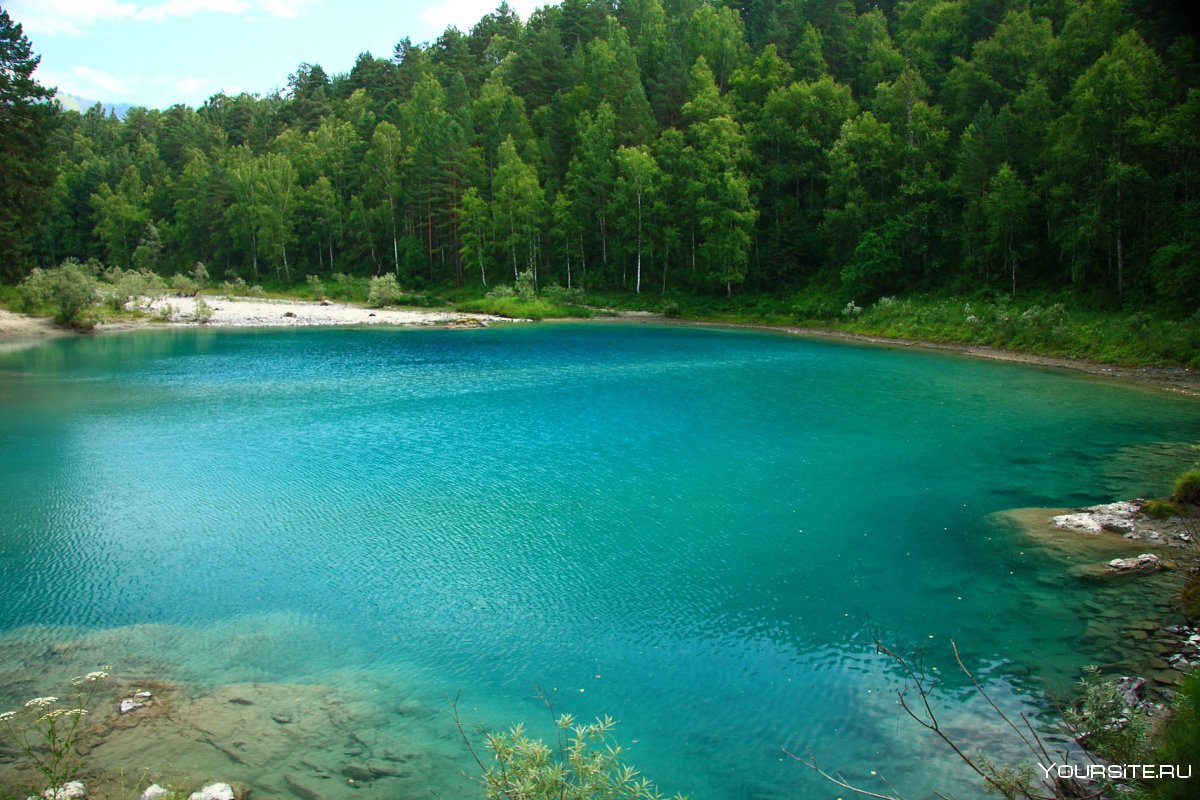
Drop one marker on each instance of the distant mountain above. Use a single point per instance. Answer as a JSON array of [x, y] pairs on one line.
[[73, 102]]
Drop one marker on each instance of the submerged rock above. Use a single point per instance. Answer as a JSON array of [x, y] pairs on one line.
[[214, 791], [1115, 517], [71, 790], [129, 704], [1146, 561], [154, 792]]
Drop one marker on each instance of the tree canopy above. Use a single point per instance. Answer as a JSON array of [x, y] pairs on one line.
[[723, 147]]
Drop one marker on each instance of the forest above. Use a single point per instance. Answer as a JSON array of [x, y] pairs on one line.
[[970, 147]]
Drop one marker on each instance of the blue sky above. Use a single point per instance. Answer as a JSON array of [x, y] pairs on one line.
[[160, 52]]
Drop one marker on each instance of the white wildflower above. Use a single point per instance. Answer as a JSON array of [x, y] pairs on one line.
[[76, 712], [55, 714], [41, 702], [91, 677], [7, 715]]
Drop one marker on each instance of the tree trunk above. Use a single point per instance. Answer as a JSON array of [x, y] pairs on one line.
[[638, 287]]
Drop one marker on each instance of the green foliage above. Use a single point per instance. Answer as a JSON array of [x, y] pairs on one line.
[[345, 287], [203, 311], [1180, 742], [1187, 488], [384, 291], [135, 286], [200, 274], [587, 764], [239, 288], [70, 291], [1104, 724], [45, 733], [1162, 509], [797, 160], [183, 286], [509, 305], [316, 287]]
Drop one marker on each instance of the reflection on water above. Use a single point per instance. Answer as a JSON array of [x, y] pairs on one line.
[[684, 529]]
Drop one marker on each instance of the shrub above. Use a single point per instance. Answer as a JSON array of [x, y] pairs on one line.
[[316, 287], [200, 274], [46, 735], [384, 291], [69, 289], [1104, 725], [238, 288], [524, 288], [1187, 487], [1180, 743], [184, 286], [132, 286], [586, 764], [203, 312], [1161, 509]]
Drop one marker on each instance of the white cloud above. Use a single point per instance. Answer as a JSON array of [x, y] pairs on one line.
[[463, 14], [284, 9], [75, 17], [66, 16], [90, 83], [187, 8], [190, 87]]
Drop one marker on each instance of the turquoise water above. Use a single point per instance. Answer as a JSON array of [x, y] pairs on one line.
[[687, 529]]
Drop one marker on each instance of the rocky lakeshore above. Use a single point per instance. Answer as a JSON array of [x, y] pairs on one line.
[[1137, 565]]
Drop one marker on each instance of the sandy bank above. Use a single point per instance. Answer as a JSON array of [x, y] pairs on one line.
[[263, 313]]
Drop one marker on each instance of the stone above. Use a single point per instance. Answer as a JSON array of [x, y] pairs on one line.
[[71, 790], [129, 704], [154, 792], [1132, 689], [281, 719], [1146, 561], [357, 772], [143, 695], [299, 789], [214, 791]]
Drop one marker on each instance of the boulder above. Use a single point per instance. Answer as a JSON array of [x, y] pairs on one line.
[[129, 704], [154, 792], [214, 791], [1132, 689], [1146, 561], [71, 790]]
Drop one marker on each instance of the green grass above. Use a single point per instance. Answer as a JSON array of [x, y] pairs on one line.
[[516, 308]]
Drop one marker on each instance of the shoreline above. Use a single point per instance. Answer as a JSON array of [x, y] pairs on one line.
[[18, 330]]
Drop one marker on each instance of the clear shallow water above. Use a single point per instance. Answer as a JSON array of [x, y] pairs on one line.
[[686, 529]]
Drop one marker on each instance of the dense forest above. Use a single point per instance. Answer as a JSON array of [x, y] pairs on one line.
[[643, 146]]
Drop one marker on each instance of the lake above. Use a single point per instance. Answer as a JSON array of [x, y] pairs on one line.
[[694, 531]]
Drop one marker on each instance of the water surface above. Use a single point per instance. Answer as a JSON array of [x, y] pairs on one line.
[[686, 529]]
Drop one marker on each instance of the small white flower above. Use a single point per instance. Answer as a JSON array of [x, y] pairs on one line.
[[77, 712], [91, 677], [55, 714], [7, 715], [41, 702]]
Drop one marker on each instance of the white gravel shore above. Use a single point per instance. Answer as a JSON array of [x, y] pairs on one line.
[[263, 313]]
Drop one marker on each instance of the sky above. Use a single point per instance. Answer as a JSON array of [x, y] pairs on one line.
[[157, 53]]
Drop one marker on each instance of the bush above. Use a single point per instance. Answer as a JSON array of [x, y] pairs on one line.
[[238, 288], [1187, 488], [384, 291], [69, 290], [316, 287], [586, 764], [184, 286], [200, 274], [1162, 509], [132, 286], [203, 312], [1180, 743]]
